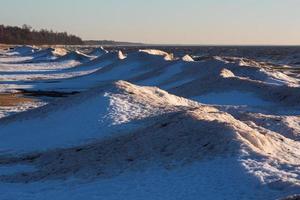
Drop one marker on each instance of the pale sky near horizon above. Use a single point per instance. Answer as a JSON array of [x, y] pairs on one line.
[[220, 22]]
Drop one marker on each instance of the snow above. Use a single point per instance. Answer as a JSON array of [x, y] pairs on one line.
[[187, 58], [232, 98], [46, 75], [225, 73], [168, 73], [93, 116], [97, 52], [10, 110], [8, 170], [42, 133], [6, 88], [121, 56], [105, 72], [166, 55], [14, 59], [212, 179], [272, 174], [32, 67], [279, 77], [75, 55], [21, 50], [140, 138], [177, 83], [60, 51]]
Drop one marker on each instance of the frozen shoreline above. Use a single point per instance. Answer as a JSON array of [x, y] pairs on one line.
[[174, 127]]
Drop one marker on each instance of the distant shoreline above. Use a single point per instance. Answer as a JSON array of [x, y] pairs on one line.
[[5, 46]]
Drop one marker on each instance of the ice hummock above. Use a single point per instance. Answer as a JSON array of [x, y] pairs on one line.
[[184, 128]]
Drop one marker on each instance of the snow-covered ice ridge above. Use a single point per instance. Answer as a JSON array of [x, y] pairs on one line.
[[146, 124]]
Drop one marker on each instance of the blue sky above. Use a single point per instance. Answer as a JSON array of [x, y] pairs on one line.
[[163, 21]]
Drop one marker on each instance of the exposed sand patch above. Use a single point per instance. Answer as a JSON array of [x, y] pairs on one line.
[[5, 46], [14, 100]]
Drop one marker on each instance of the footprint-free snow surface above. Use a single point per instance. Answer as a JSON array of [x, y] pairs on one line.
[[147, 124]]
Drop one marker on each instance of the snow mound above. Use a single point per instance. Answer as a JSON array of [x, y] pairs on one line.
[[43, 55], [98, 52], [123, 128], [128, 102], [74, 55], [187, 58], [166, 123], [122, 103], [54, 51], [225, 73], [256, 139], [154, 95], [60, 51], [281, 78], [135, 102], [108, 132], [23, 50], [121, 56], [156, 52]]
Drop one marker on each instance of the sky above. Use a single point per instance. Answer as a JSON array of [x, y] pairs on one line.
[[198, 22]]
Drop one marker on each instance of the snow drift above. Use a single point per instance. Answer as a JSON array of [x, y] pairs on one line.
[[176, 127]]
